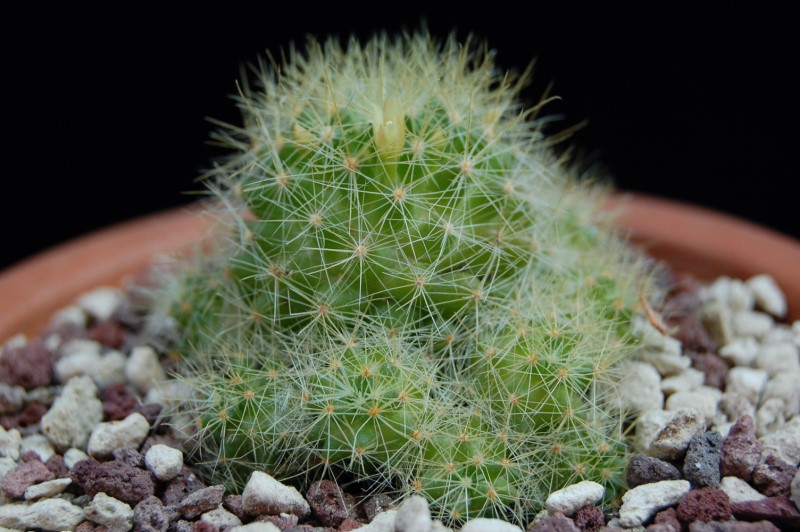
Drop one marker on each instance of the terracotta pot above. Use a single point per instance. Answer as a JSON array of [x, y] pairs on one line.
[[690, 238]]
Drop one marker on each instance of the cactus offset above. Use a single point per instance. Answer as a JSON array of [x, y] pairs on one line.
[[411, 287]]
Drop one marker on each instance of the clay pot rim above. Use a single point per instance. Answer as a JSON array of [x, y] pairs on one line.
[[705, 242]]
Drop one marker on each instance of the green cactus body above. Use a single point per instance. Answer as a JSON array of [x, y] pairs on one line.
[[402, 235]]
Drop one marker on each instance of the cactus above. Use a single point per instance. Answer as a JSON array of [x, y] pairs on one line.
[[409, 287]]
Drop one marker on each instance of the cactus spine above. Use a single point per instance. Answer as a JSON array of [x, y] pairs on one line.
[[411, 287]]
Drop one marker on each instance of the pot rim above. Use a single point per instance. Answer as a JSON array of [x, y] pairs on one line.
[[705, 242]]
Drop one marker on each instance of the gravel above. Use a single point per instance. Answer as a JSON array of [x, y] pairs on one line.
[[83, 446]]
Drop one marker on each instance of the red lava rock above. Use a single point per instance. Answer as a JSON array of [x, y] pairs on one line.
[[118, 402], [741, 450], [204, 526], [57, 466], [114, 478], [589, 518], [668, 518], [201, 501], [329, 504], [128, 456], [150, 412], [713, 367], [557, 522], [778, 510], [233, 503], [646, 469], [283, 521], [733, 526], [28, 473], [108, 333], [772, 476], [350, 524], [179, 487], [29, 366], [150, 516], [31, 414], [704, 504], [377, 504]]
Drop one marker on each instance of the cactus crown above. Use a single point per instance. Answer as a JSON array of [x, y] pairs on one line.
[[410, 287]]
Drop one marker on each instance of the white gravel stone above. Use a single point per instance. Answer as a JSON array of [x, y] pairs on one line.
[[704, 400], [11, 398], [38, 444], [265, 495], [220, 517], [101, 302], [671, 442], [258, 527], [9, 443], [769, 416], [129, 432], [785, 442], [164, 462], [73, 415], [52, 342], [654, 340], [732, 293], [437, 526], [686, 381], [768, 296], [143, 369], [48, 488], [18, 340], [724, 428], [72, 456], [780, 333], [739, 490], [786, 387], [642, 502], [667, 364], [383, 522], [49, 514], [105, 369], [647, 426], [740, 352], [6, 465], [168, 393], [718, 319], [485, 524], [110, 512], [72, 315], [747, 382], [795, 487], [79, 345], [413, 515], [778, 358], [572, 498], [751, 323], [640, 389]]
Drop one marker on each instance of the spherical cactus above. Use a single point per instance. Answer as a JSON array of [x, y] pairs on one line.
[[440, 293]]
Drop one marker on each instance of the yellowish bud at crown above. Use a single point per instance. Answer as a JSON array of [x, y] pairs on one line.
[[389, 129]]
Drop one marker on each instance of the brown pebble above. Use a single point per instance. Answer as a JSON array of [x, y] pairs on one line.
[[114, 478], [329, 504], [713, 367], [733, 526], [741, 450], [778, 510], [108, 333], [350, 524], [772, 476], [557, 522], [704, 504], [377, 504], [57, 466], [29, 366], [29, 472], [150, 516], [204, 526], [118, 402], [589, 518], [201, 501], [128, 456], [233, 503], [668, 517], [179, 487]]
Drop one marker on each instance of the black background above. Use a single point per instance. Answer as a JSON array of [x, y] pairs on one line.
[[106, 112]]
